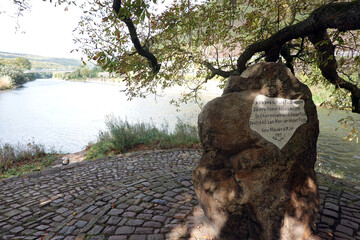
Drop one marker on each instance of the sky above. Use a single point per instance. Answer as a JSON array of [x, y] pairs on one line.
[[45, 30]]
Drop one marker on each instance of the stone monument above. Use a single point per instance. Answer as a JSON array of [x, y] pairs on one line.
[[256, 177]]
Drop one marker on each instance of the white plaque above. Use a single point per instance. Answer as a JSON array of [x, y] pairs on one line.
[[276, 119]]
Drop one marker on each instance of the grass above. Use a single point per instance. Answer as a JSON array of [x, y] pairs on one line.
[[18, 159], [121, 136]]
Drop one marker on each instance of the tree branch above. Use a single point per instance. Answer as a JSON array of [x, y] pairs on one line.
[[328, 66], [218, 71], [153, 62], [343, 16]]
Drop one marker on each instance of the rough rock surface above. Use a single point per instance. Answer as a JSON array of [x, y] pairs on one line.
[[247, 186]]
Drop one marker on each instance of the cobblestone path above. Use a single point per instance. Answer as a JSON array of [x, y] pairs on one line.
[[137, 196]]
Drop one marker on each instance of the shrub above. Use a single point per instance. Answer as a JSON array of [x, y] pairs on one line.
[[11, 155], [121, 136], [5, 82], [16, 74]]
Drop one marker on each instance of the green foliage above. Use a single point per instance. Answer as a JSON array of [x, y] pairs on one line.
[[20, 158], [23, 63], [20, 62], [80, 73], [353, 125], [187, 34], [121, 136], [16, 74]]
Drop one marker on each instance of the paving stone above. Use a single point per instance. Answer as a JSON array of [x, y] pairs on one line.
[[12, 213], [328, 220], [349, 224], [152, 224], [117, 238], [342, 236], [159, 218], [96, 238], [156, 237], [344, 229], [135, 208], [124, 230], [96, 229], [70, 238], [113, 220], [109, 230], [67, 230], [129, 214], [80, 223], [58, 218], [144, 216], [332, 206], [17, 229], [143, 230], [137, 237], [135, 222], [115, 212], [330, 213]]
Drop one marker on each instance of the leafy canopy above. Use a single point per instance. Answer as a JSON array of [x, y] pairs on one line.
[[187, 42]]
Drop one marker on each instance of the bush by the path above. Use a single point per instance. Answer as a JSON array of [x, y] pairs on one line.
[[121, 136]]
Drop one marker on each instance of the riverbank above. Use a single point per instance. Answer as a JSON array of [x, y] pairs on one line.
[[140, 195]]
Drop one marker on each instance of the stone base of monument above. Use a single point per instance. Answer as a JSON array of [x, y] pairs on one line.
[[256, 177]]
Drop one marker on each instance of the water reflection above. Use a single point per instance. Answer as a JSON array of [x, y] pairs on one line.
[[334, 154]]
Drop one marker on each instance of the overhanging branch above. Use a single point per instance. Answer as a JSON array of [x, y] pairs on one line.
[[343, 16], [153, 62]]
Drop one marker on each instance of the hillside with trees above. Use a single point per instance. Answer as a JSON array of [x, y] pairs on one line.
[[41, 62]]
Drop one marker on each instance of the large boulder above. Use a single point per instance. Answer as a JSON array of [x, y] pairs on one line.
[[256, 177]]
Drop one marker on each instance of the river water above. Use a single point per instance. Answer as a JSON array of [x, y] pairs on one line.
[[68, 115]]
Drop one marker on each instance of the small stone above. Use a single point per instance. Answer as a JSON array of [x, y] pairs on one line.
[[329, 221], [330, 213], [129, 214], [12, 213], [42, 227], [332, 206], [159, 218], [344, 229], [349, 224], [156, 237], [96, 238], [135, 222], [17, 229], [115, 212], [109, 230], [180, 216], [117, 238], [152, 224], [159, 201], [113, 220], [80, 223], [137, 237], [135, 208], [124, 230], [96, 229]]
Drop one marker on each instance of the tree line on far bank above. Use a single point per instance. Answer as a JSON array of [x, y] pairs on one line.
[[12, 72], [82, 72]]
